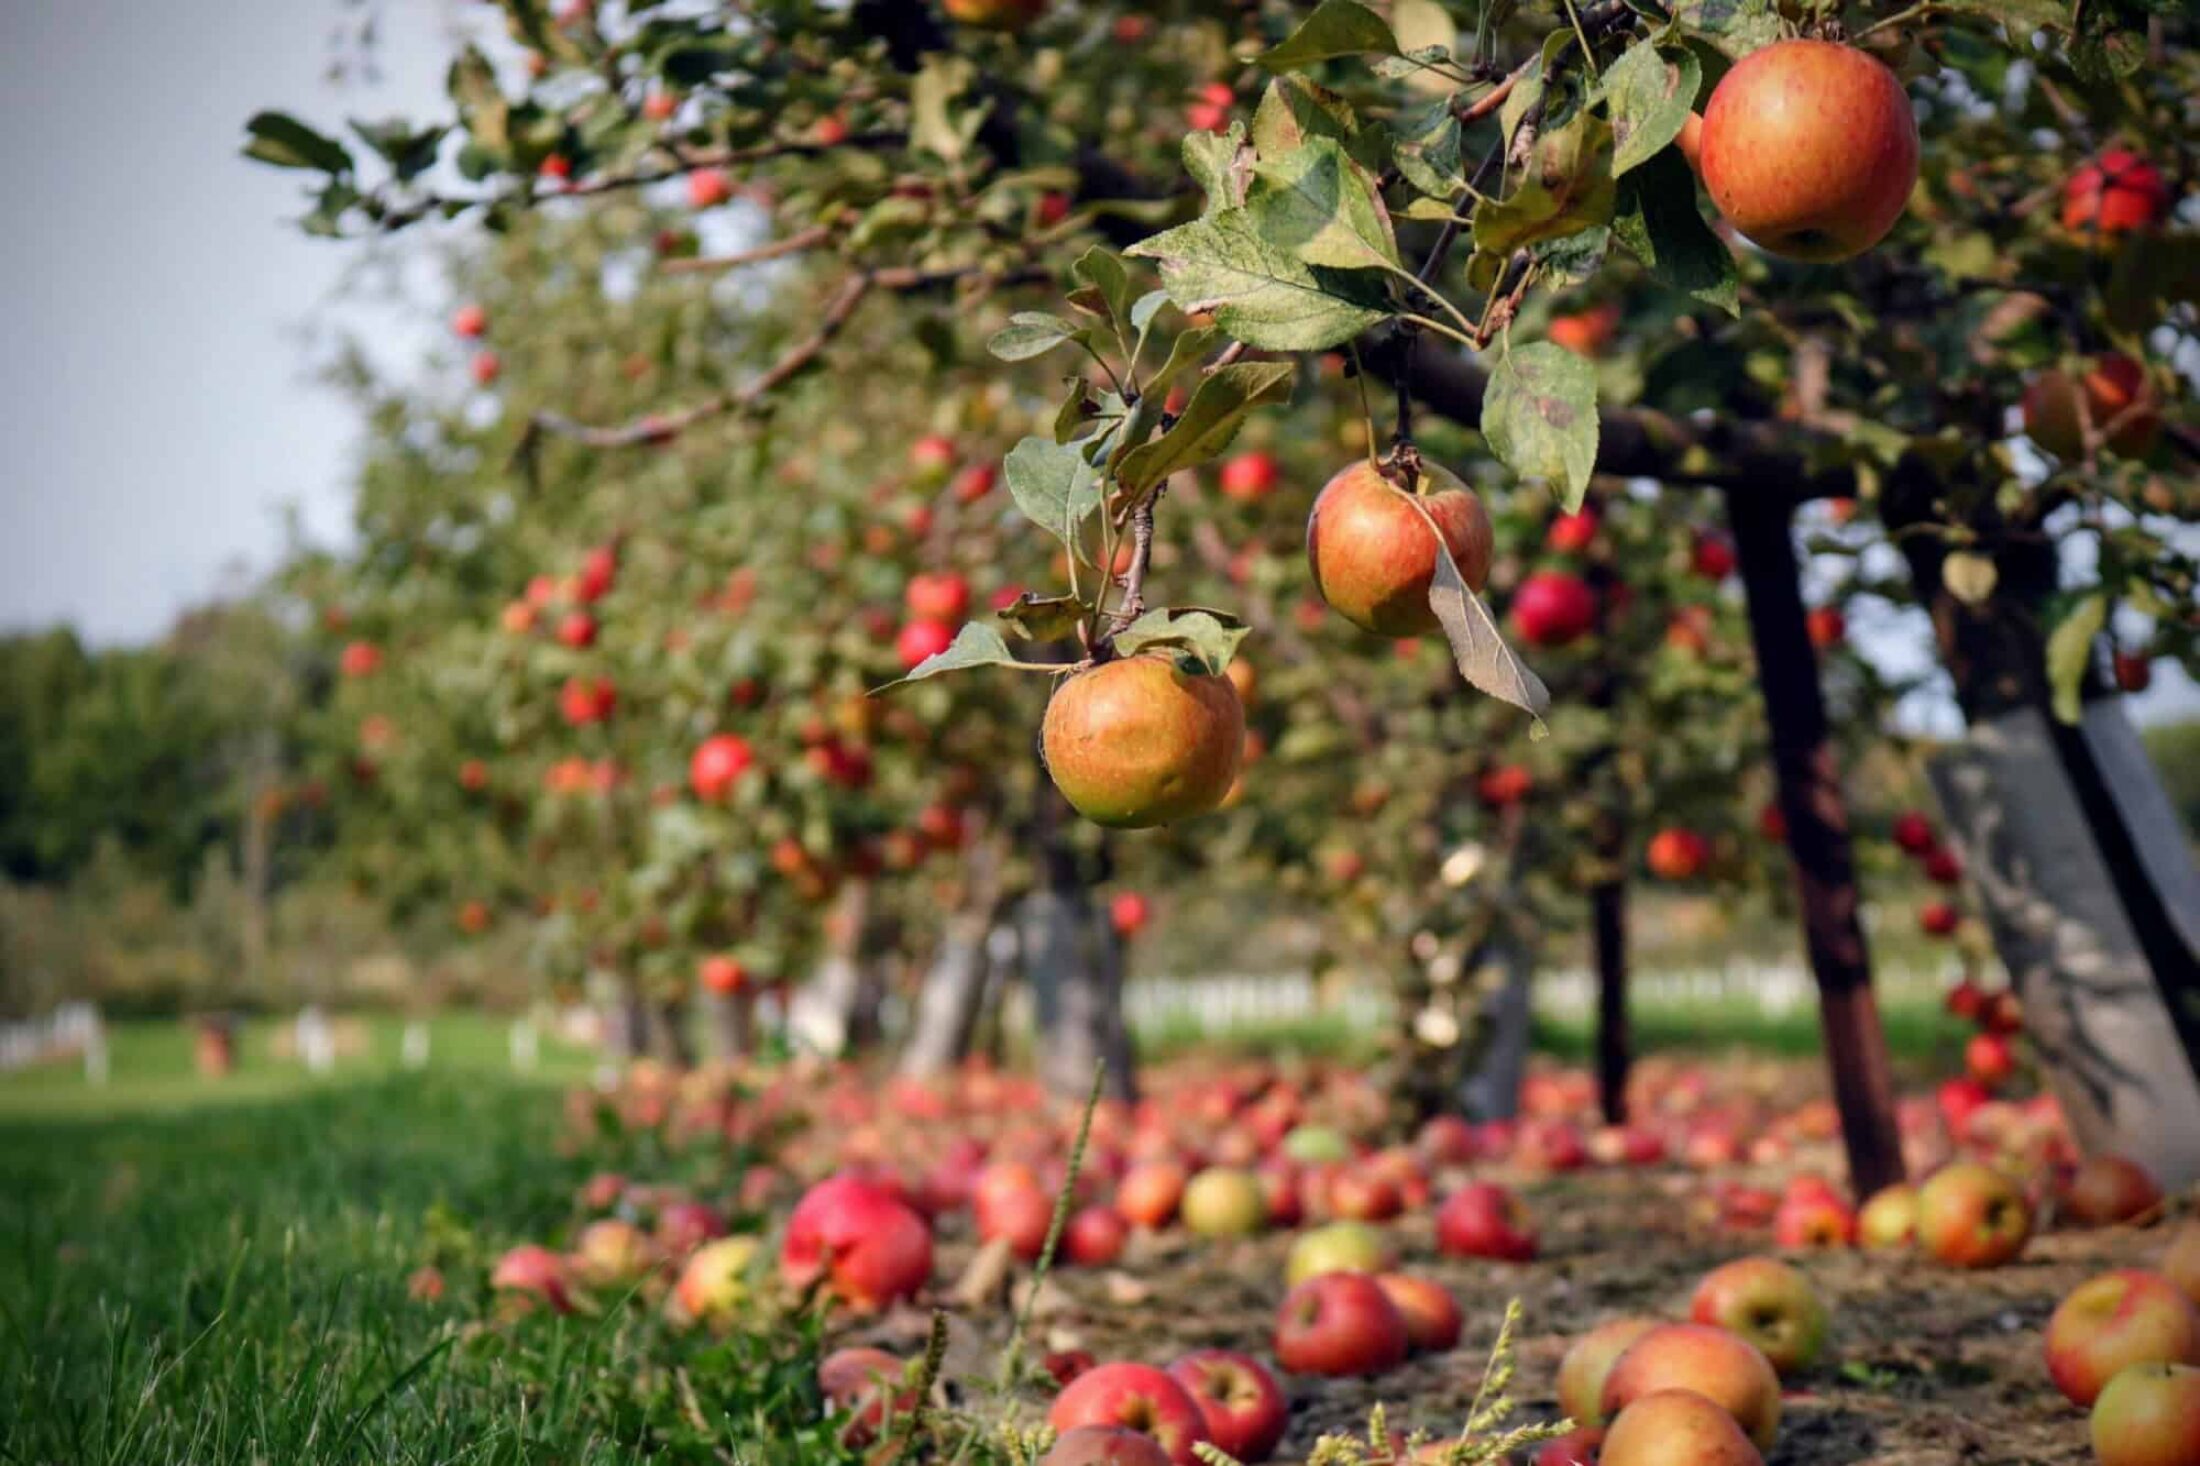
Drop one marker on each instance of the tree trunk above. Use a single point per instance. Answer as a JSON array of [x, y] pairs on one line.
[[948, 1003], [1615, 1040], [1492, 1091], [256, 859], [1817, 818], [839, 1012], [625, 1022], [668, 1036], [732, 1020]]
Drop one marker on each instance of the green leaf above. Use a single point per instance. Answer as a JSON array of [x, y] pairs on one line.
[[1188, 353], [1539, 415], [1262, 295], [1478, 648], [1648, 94], [409, 151], [1053, 485], [1319, 204], [1219, 406], [1072, 416], [1336, 28], [1033, 333], [1425, 146], [1566, 187], [2070, 653], [1422, 26], [285, 142], [1208, 637], [1100, 268], [1575, 259], [976, 645], [1042, 618], [933, 126], [1656, 218], [481, 103], [1214, 161], [1736, 27], [1293, 110]]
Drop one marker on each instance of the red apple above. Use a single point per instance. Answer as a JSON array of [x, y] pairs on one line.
[[1768, 1303], [717, 765], [2116, 1320], [2117, 192], [1676, 1427], [1135, 1397], [470, 321], [1970, 1215], [2148, 1415], [1570, 534], [1373, 553], [1552, 608], [1574, 1448], [534, 1274], [1431, 1314], [1676, 854], [1240, 1400], [920, 640], [1810, 149], [1020, 1214], [2118, 401], [1129, 911], [1249, 477], [870, 1247], [944, 596], [1105, 1445], [1148, 1194], [1340, 1324], [1484, 1220], [1722, 1367], [2106, 1189], [1913, 833], [1093, 1237], [869, 1386]]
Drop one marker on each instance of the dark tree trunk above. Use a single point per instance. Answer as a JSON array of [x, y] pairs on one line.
[[1492, 1090], [1817, 819], [668, 1035], [1075, 968], [732, 1019], [625, 1023], [1615, 1041]]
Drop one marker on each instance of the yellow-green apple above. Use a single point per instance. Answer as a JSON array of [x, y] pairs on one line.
[[2148, 1415], [2106, 1189], [1105, 1445], [869, 1386], [1431, 1314], [1810, 149], [1134, 1397], [1485, 1220], [1340, 1324], [1373, 553], [1972, 1215], [714, 1283], [1587, 1362], [1889, 1218], [1223, 1201], [610, 1251], [2120, 1318], [1311, 1144], [1768, 1303], [1240, 1400], [1352, 1247], [850, 1233], [1723, 1367], [1676, 1428]]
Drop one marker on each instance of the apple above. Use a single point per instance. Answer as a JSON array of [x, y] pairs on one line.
[[1889, 1218], [1239, 1399], [1336, 1247], [1989, 1060], [360, 659], [1140, 741], [2119, 402], [1020, 1214], [1586, 333], [1340, 1324], [1570, 534], [1712, 556], [1971, 1215], [1504, 786], [1134, 1397], [1942, 868], [1357, 1194], [714, 1282], [1128, 912], [944, 596], [1721, 1366], [722, 974], [2181, 1260], [2148, 1415], [2115, 193], [610, 1251], [717, 765], [1485, 1220], [1810, 149], [2116, 1320], [1807, 1222], [2106, 1189], [1249, 478], [1588, 1360], [1826, 627], [1676, 854], [683, 1226], [1211, 111], [869, 1386], [1150, 1193], [1431, 1314], [470, 321], [1552, 609], [1937, 919], [1913, 833], [849, 1232], [1574, 1448], [1372, 550], [920, 640], [1677, 1427], [577, 630], [1313, 1143], [1105, 1445], [2134, 671], [1768, 1303], [485, 368], [533, 1275], [997, 15], [1094, 1237], [1223, 1201]]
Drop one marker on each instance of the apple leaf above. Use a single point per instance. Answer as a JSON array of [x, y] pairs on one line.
[[1054, 486], [1217, 162], [1969, 576], [976, 645], [1736, 27], [1539, 415], [283, 141], [1567, 187], [1101, 269], [1294, 110], [1042, 618], [1657, 220], [1033, 333], [933, 126], [1425, 146], [1209, 638], [2070, 653], [1319, 204], [1336, 28], [1187, 353], [1261, 294], [1477, 647], [1219, 406], [1648, 93]]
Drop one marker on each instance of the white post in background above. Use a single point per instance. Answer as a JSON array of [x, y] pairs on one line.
[[412, 1050], [525, 1044], [316, 1041], [95, 1050]]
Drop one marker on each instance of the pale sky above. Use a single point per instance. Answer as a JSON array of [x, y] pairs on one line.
[[156, 399]]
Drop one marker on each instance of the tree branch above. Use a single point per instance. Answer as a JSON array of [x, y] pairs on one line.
[[794, 243]]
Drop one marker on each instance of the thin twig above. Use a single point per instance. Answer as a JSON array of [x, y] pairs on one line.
[[794, 243]]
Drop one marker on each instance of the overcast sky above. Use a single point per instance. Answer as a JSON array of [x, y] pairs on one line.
[[156, 395]]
